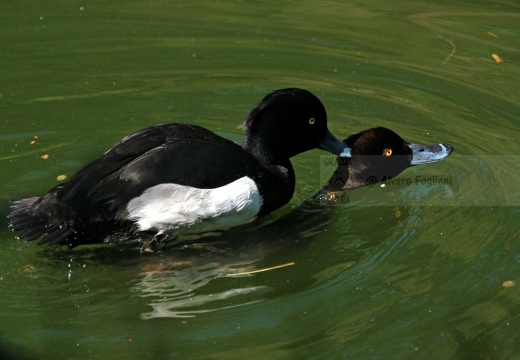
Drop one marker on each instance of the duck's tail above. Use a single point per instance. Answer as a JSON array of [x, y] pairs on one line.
[[41, 216]]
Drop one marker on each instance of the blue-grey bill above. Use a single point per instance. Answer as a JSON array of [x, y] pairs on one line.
[[332, 144], [425, 154]]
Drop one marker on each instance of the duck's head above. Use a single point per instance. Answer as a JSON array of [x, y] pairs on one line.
[[380, 154], [288, 122]]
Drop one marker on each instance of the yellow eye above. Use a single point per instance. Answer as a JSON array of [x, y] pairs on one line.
[[312, 121], [388, 152]]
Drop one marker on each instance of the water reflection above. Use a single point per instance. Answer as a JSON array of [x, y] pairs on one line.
[[177, 289], [200, 277]]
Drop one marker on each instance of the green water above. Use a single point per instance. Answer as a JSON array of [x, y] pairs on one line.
[[406, 271]]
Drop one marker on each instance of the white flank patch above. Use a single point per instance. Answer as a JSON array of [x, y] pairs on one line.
[[177, 209]]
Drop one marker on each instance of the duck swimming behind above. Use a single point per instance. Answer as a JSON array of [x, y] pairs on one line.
[[173, 179], [379, 154]]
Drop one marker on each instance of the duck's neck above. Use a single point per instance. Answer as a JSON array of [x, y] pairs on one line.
[[276, 183], [347, 178], [275, 177], [266, 153]]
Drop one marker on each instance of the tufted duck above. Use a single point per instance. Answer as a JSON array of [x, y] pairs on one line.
[[380, 154], [173, 179]]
